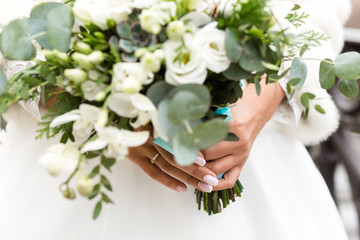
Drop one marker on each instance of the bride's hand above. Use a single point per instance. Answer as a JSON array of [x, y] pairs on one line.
[[250, 114], [164, 169]]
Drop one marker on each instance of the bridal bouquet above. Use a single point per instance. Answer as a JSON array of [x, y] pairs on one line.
[[114, 66]]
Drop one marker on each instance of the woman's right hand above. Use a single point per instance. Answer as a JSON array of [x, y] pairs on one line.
[[165, 170]]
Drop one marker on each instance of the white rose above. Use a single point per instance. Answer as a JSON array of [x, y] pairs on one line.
[[90, 89], [99, 12], [60, 159], [190, 69], [129, 77], [212, 42]]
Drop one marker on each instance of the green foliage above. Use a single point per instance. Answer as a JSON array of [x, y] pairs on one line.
[[298, 71], [327, 74], [347, 66], [3, 82], [349, 88], [15, 43]]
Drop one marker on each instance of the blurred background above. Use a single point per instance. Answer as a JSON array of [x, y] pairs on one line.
[[339, 158]]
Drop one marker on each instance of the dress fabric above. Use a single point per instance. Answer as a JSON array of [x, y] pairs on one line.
[[285, 197]]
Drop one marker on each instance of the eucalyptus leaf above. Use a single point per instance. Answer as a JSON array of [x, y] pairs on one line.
[[186, 106], [38, 22], [159, 91], [15, 43], [298, 71], [327, 74], [349, 88], [199, 90], [319, 109], [232, 45], [347, 65], [236, 73], [3, 82], [305, 98], [270, 66], [170, 129], [251, 58], [210, 133], [60, 22], [185, 151]]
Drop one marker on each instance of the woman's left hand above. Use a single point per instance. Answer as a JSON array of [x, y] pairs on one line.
[[249, 116]]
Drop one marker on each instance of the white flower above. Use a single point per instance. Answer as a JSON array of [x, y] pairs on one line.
[[191, 68], [151, 62], [85, 119], [116, 141], [137, 106], [84, 185], [175, 30], [60, 159], [212, 42], [129, 77], [165, 10], [150, 21], [90, 89], [99, 12]]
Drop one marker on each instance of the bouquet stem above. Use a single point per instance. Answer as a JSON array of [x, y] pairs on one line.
[[215, 201]]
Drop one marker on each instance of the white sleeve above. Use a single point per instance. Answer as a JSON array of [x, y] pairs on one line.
[[326, 16]]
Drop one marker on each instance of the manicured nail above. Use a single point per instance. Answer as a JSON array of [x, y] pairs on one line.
[[181, 189], [213, 181], [200, 161], [205, 187]]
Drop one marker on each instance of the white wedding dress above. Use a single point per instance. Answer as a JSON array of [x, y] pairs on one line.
[[285, 197]]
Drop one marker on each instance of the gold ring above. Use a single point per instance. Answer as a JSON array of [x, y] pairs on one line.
[[154, 158]]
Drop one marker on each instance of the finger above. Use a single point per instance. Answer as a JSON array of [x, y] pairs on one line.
[[179, 174], [224, 164], [229, 179], [203, 174], [158, 175], [219, 150]]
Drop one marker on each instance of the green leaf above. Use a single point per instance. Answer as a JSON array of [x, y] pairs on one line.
[[298, 70], [236, 73], [347, 66], [3, 123], [239, 91], [15, 43], [97, 210], [232, 45], [60, 22], [108, 163], [270, 66], [257, 85], [38, 22], [349, 88], [296, 7], [186, 106], [170, 129], [199, 90], [251, 58], [231, 137], [327, 74], [210, 133], [95, 192], [106, 183], [185, 151], [106, 199], [305, 98], [94, 172], [319, 109], [304, 49], [159, 91], [3, 82], [92, 154]]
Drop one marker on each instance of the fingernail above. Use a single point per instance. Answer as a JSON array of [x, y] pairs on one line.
[[205, 187], [213, 181], [181, 189], [200, 161]]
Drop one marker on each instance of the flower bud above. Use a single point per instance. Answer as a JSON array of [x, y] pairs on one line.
[[83, 47], [175, 30], [96, 57], [160, 54], [55, 55], [151, 62], [140, 52], [103, 117], [76, 75], [83, 60], [85, 186], [100, 96], [150, 21], [81, 13], [191, 4], [69, 193]]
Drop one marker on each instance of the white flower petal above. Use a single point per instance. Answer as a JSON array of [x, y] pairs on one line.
[[66, 118], [197, 18], [97, 144], [134, 139], [121, 104], [142, 102], [89, 112]]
